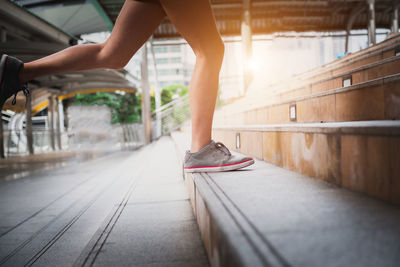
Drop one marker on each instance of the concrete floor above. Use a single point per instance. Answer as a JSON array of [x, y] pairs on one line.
[[124, 209]]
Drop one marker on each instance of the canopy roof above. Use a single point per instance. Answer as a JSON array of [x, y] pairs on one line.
[[268, 16]]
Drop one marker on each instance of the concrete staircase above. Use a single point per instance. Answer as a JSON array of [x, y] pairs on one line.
[[265, 215], [338, 123]]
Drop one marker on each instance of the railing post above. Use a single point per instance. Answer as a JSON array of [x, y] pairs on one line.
[[146, 109], [29, 137], [395, 19], [246, 44], [355, 12], [371, 23]]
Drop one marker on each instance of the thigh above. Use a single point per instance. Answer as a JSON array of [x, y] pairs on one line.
[[195, 21], [136, 22]]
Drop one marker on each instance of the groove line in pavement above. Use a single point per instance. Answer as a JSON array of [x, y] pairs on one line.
[[110, 226], [90, 177], [68, 225], [88, 258], [28, 240]]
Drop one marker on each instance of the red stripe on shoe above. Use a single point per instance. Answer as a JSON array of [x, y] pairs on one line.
[[217, 165]]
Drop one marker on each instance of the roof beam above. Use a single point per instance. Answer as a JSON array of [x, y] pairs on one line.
[[103, 14], [28, 21]]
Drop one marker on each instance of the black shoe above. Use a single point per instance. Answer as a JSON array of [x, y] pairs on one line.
[[9, 81]]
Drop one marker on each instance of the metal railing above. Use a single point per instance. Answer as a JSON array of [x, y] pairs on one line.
[[15, 142], [170, 117], [131, 136]]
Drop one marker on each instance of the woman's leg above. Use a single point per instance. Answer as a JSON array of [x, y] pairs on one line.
[[195, 21], [135, 23]]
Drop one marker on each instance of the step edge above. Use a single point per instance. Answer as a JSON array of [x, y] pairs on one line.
[[381, 128], [371, 83]]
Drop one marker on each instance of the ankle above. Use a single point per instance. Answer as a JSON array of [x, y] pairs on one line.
[[196, 146]]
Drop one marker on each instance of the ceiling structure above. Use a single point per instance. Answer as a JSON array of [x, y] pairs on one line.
[[35, 28], [267, 16], [28, 36]]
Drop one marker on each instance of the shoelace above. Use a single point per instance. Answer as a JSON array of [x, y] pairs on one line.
[[223, 148], [24, 89]]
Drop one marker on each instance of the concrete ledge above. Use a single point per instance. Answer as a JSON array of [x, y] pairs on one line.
[[378, 51], [382, 128], [361, 156], [330, 82], [265, 215], [377, 99]]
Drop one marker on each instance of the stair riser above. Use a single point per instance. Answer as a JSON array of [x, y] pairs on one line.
[[219, 251], [364, 163], [362, 60], [328, 82], [379, 102]]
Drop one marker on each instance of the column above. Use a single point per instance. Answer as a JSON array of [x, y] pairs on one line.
[[146, 109], [58, 124], [371, 23], [51, 122], [246, 44], [28, 121], [157, 93]]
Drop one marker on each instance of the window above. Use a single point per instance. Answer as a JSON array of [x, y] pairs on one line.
[[163, 72], [160, 49], [161, 60], [175, 60], [176, 48]]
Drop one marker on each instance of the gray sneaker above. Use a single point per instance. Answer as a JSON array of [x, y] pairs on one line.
[[9, 81], [214, 157]]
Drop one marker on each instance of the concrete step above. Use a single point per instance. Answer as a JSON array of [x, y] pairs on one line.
[[265, 215], [361, 156], [373, 100], [374, 54], [365, 73]]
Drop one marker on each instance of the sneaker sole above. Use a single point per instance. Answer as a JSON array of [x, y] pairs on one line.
[[220, 168], [3, 62]]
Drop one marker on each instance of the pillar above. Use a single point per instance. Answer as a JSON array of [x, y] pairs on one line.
[[146, 108], [58, 123], [246, 44], [157, 93], [29, 136], [371, 23], [51, 122]]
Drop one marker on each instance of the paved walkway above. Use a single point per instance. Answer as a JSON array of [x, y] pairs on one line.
[[124, 209]]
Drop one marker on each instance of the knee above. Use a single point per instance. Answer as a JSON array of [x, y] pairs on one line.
[[110, 59], [212, 52]]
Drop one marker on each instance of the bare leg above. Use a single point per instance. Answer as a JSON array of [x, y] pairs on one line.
[[195, 21], [135, 23]]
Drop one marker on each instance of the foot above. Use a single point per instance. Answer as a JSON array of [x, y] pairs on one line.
[[214, 157], [9, 81]]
